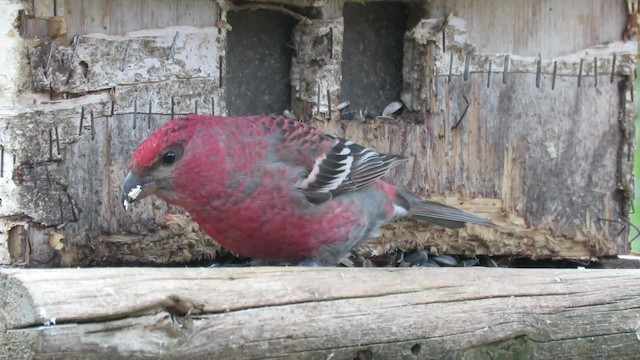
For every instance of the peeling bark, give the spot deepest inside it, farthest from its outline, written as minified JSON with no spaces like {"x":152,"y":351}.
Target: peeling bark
{"x":99,"y":62}
{"x":316,"y":69}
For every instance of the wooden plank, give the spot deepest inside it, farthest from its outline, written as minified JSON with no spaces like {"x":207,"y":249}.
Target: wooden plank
{"x":319,"y":313}
{"x":197,"y":13}
{"x":161,"y":13}
{"x":117,"y":17}
{"x":87,"y":17}
{"x":126,"y":16}
{"x":529,"y":28}
{"x":102,"y":62}
{"x":563,"y":65}
{"x":43,"y":8}
{"x":453,"y":55}
{"x":35,"y":28}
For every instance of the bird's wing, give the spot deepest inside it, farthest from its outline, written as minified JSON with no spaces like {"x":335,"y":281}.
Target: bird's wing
{"x":346,"y":167}
{"x":333,"y":165}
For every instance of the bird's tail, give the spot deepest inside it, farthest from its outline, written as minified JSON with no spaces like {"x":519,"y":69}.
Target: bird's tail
{"x":440,"y":214}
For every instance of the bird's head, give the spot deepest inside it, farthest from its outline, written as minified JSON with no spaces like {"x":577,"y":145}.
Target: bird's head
{"x":165,"y":153}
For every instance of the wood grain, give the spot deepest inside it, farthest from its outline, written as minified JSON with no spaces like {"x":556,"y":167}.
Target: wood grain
{"x":100,"y":62}
{"x":116,"y":17}
{"x":530,"y":28}
{"x":320,"y":313}
{"x":545,"y":158}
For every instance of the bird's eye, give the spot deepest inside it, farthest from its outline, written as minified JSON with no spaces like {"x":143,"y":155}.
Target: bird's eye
{"x":169,"y":157}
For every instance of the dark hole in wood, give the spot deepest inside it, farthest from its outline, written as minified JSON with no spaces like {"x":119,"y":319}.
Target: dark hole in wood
{"x":258,"y":62}
{"x":372,"y":54}
{"x":415,"y":349}
{"x":85,"y":68}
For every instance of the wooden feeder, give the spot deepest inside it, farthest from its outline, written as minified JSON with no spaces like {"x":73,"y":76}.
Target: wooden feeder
{"x":520,"y":111}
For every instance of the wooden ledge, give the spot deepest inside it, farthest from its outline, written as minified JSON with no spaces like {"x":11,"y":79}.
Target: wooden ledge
{"x":319,"y":313}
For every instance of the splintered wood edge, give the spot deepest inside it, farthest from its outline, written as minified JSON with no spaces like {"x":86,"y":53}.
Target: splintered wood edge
{"x":314,"y":313}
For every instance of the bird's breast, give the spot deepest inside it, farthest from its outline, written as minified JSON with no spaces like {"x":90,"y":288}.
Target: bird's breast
{"x":274,"y":222}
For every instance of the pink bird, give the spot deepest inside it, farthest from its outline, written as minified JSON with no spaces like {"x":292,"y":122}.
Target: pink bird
{"x":273,"y":188}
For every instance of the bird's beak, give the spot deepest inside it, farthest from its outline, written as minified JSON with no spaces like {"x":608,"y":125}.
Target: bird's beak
{"x":136,"y":187}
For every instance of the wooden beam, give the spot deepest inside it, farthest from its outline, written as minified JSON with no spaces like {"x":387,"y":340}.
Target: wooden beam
{"x":320,"y":313}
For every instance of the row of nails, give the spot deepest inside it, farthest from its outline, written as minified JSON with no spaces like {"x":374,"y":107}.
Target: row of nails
{"x":505,"y":70}
{"x":76,"y":40}
{"x":135,"y":119}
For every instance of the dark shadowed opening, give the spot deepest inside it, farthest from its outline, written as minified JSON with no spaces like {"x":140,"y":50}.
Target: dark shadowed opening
{"x":258,"y":62}
{"x":372,"y":54}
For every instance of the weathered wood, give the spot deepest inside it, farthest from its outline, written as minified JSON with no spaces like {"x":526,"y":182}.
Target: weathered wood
{"x":62,"y":161}
{"x":316,"y":69}
{"x":500,"y":158}
{"x":530,"y":28}
{"x":321,"y":313}
{"x":456,"y":43}
{"x":505,"y":146}
{"x":118,"y":17}
{"x":99,"y":62}
{"x":12,"y":70}
{"x":64,"y":185}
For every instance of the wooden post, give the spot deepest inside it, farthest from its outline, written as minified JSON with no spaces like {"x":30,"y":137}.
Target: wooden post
{"x":320,"y":313}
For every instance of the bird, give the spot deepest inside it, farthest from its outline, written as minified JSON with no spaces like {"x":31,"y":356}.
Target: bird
{"x":272,"y":188}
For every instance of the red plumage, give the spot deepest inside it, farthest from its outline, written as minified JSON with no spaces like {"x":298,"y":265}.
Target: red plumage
{"x":274,"y":188}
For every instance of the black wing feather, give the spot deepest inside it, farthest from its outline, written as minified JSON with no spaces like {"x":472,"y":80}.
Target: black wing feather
{"x":346,"y":167}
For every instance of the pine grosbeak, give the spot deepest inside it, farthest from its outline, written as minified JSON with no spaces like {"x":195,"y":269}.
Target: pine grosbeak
{"x":274,"y":188}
